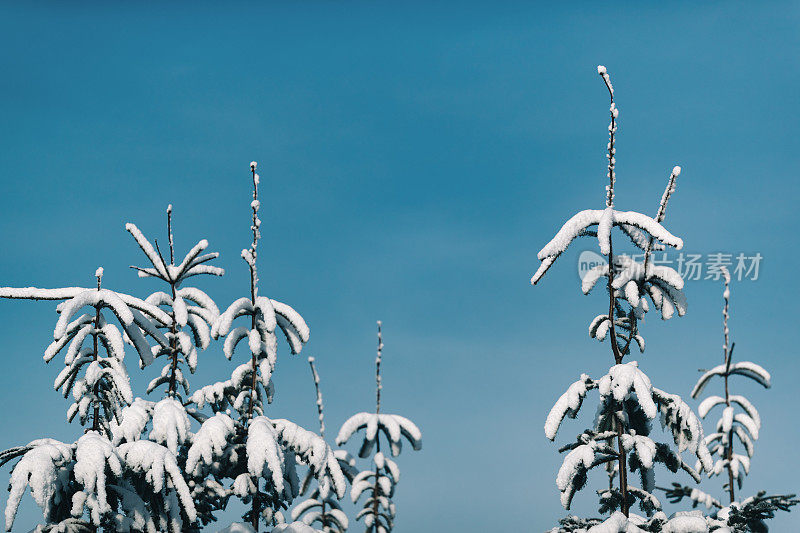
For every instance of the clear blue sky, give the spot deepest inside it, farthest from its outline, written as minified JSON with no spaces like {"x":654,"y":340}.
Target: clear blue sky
{"x":414,"y":160}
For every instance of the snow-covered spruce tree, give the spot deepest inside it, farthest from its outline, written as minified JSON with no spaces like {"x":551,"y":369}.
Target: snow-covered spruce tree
{"x":191,"y":313}
{"x":256,"y":453}
{"x":378,"y":484}
{"x":744,"y":425}
{"x":629,"y":403}
{"x":322,"y":508}
{"x":92,"y":483}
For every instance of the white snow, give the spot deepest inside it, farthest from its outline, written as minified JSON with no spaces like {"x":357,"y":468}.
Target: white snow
{"x":264,"y":453}
{"x":40,"y":469}
{"x":624,"y":379}
{"x":160,"y":468}
{"x":133,"y":420}
{"x":94,"y":454}
{"x":148,"y":250}
{"x":576,"y":461}
{"x":393,"y":427}
{"x":294,"y":527}
{"x":709,"y":403}
{"x":743,"y":368}
{"x":312,"y":450}
{"x":567,"y":404}
{"x":171,"y":427}
{"x":209,"y":442}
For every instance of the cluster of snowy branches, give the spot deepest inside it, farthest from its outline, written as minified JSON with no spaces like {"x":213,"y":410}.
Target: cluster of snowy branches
{"x":739,"y":422}
{"x":377,"y":485}
{"x":621,"y":438}
{"x":173,"y":464}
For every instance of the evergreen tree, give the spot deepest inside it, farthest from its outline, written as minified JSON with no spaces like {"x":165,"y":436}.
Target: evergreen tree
{"x":378,"y":485}
{"x":239,"y":442}
{"x":629,"y":403}
{"x":739,"y":419}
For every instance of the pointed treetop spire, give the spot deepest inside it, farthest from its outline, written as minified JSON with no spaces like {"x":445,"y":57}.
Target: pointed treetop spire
{"x":169,"y":232}
{"x":378,"y":385}
{"x":726,"y":295}
{"x":320,"y":406}
{"x":251,"y":254}
{"x":612,"y":130}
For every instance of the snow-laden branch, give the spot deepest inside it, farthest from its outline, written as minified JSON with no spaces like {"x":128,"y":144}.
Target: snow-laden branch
{"x":742,"y":368}
{"x":392,"y":426}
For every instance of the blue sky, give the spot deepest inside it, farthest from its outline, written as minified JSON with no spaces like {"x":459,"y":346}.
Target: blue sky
{"x":414,"y":159}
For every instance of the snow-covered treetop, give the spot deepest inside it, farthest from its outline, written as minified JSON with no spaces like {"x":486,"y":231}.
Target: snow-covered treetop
{"x":745,"y":423}
{"x":378,"y":484}
{"x":94,"y":348}
{"x":629,"y":403}
{"x":629,"y":282}
{"x":118,"y":477}
{"x":193,"y":263}
{"x":259,"y":454}
{"x":392,"y":426}
{"x":250,"y":384}
{"x":190,"y":312}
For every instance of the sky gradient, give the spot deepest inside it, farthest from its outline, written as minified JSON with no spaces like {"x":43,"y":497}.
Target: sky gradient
{"x":413,"y":161}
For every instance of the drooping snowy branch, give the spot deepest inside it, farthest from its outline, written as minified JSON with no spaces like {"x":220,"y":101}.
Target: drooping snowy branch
{"x":567,"y":405}
{"x":579,"y":225}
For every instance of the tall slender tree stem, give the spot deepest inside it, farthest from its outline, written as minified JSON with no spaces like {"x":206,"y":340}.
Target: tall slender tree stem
{"x":321,"y":413}
{"x":728,"y":354}
{"x":254,"y":519}
{"x":173,"y":327}
{"x":618,"y":354}
{"x":96,"y":413}
{"x":376,"y":487}
{"x":378,"y":385}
